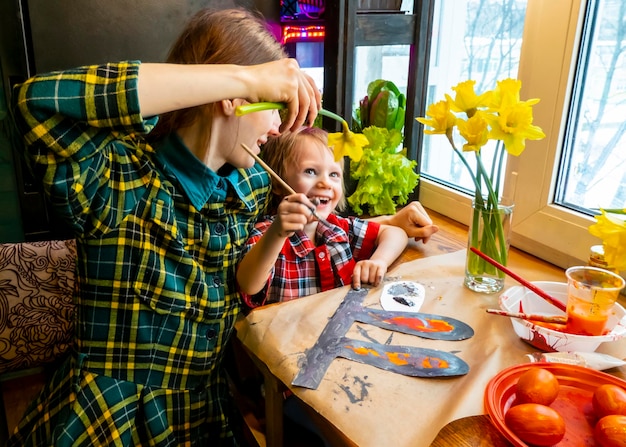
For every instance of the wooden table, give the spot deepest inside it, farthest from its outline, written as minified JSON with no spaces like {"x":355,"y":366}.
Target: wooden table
{"x":465,"y":425}
{"x":470,"y":431}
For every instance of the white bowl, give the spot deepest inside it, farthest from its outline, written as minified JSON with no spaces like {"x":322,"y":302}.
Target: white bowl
{"x":521,"y":299}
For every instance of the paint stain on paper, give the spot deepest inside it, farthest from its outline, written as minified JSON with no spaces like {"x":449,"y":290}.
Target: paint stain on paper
{"x":404,"y":289}
{"x":358,"y":392}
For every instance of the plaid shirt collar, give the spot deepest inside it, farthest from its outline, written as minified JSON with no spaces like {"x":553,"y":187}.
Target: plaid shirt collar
{"x":198,"y":181}
{"x":302,"y":245}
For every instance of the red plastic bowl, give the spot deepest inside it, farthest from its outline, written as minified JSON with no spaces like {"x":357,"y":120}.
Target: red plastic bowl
{"x":576,"y":387}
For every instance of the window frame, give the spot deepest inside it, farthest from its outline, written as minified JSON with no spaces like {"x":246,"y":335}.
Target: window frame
{"x":547,"y":66}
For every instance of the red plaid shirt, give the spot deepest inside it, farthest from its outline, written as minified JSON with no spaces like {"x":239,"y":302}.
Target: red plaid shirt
{"x":304,"y":267}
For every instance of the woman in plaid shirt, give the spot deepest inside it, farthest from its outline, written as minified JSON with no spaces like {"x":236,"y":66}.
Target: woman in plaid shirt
{"x":291,"y":254}
{"x":161,"y":216}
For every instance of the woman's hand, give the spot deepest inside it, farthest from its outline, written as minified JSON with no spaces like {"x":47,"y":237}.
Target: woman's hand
{"x":413,"y":219}
{"x":284,"y":81}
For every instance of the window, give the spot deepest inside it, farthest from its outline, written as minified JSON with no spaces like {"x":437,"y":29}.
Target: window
{"x":479,"y":40}
{"x":390,"y":62}
{"x":572,"y":57}
{"x":593,"y":165}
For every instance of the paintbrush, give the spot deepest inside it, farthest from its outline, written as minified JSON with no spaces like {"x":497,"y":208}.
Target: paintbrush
{"x":283,"y":183}
{"x":543,"y":294}
{"x":560,"y":319}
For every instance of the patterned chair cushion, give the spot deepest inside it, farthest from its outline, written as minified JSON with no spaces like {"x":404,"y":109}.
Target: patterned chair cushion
{"x":36,"y":305}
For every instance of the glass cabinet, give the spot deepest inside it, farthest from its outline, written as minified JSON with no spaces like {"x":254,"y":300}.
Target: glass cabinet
{"x":362,"y":45}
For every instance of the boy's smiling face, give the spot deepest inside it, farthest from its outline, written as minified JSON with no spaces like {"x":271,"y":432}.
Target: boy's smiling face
{"x":316,"y":174}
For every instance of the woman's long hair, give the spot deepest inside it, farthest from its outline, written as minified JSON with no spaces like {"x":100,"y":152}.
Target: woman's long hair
{"x":229,"y":36}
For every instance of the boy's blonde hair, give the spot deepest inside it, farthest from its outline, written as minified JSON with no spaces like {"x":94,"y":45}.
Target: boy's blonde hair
{"x":279,"y":153}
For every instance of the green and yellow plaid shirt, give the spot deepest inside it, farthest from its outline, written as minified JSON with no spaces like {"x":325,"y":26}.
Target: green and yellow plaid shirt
{"x":158,"y":236}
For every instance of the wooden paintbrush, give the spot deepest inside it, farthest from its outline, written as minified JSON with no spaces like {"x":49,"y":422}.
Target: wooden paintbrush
{"x":280,"y":180}
{"x":542,"y":293}
{"x":560,"y":319}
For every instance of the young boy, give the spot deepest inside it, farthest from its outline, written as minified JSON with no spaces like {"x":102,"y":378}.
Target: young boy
{"x":292,"y":254}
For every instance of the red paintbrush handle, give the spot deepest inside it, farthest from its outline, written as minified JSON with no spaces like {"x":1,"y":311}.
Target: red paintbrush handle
{"x":560,"y":319}
{"x":521,"y":280}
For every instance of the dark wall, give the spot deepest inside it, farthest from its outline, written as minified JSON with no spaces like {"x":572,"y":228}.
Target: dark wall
{"x":93,"y":31}
{"x":10,"y":216}
{"x":44,"y":35}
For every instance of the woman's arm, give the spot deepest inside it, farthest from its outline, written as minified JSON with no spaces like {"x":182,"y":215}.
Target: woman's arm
{"x":413,"y":219}
{"x":68,"y":120}
{"x":390,"y":243}
{"x":167,"y":87}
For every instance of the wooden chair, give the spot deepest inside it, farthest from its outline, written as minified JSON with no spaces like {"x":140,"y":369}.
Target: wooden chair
{"x":36,"y":319}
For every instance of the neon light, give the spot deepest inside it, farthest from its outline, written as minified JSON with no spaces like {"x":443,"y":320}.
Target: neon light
{"x":303,"y":33}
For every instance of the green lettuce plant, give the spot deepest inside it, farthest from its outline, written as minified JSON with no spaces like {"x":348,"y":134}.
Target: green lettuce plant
{"x":384,"y":106}
{"x":385,"y":176}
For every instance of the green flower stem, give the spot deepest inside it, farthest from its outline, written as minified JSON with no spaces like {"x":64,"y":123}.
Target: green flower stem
{"x":490,"y":214}
{"x":500,"y":156}
{"x":469,"y":168}
{"x":493,"y":232}
{"x":331,"y":115}
{"x":260,"y":106}
{"x":492,"y":199}
{"x":488,"y":242}
{"x":615,"y":210}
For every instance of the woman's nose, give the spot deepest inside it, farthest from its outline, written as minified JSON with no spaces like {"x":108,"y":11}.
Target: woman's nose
{"x":275,"y":129}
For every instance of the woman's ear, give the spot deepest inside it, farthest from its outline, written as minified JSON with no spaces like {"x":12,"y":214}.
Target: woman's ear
{"x":229,"y":105}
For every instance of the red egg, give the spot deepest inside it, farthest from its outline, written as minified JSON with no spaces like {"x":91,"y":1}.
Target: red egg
{"x":537,"y":386}
{"x":610,"y":431}
{"x":535,"y":424}
{"x":609,"y":399}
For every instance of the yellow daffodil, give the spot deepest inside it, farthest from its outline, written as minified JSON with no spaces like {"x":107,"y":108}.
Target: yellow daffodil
{"x":506,"y":94}
{"x":475,"y":131}
{"x":441,"y":119}
{"x":344,"y":143}
{"x":347,"y":143}
{"x":466,"y":100}
{"x":513,"y":125}
{"x":612,"y":231}
{"x":496,"y":114}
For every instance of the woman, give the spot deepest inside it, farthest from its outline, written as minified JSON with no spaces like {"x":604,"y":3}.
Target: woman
{"x":160,"y":216}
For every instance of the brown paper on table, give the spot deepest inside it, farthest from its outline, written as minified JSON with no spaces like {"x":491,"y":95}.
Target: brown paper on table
{"x":374,"y":407}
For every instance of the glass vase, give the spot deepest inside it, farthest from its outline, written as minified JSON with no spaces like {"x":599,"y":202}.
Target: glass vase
{"x":489,"y":232}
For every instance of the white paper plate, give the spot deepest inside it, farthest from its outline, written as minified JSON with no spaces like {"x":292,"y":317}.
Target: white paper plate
{"x":405,"y":296}
{"x":521,"y":299}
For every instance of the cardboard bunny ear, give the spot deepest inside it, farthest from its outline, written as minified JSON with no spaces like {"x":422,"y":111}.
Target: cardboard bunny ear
{"x":406,"y":360}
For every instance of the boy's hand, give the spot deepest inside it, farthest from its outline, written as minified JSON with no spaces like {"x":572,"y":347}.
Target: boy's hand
{"x":368,"y":272}
{"x":292,"y":215}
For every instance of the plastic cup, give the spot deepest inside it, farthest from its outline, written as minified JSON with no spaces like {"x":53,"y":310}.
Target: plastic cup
{"x":591,"y":295}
